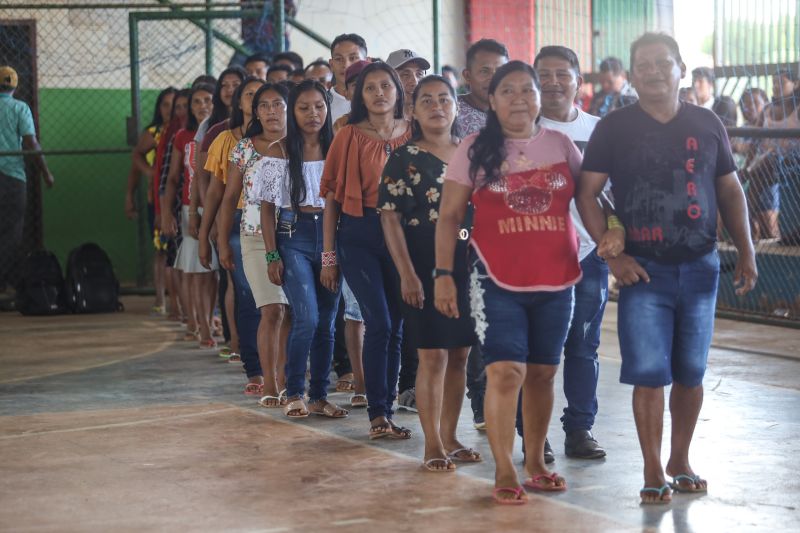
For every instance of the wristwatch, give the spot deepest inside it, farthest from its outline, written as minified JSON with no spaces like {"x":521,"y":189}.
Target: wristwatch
{"x":437,"y":272}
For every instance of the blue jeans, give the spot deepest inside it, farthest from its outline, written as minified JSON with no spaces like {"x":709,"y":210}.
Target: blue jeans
{"x":247,"y":315}
{"x":665,"y":326}
{"x":580,"y":351}
{"x":313,"y":306}
{"x":371,"y":275}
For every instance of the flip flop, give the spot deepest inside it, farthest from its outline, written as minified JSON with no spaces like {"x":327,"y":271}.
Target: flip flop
{"x":234,"y":358}
{"x":253,"y":389}
{"x":428,"y":465}
{"x":695,"y":480}
{"x":658,"y":490}
{"x":266,"y":401}
{"x":345,"y":384}
{"x":533,"y":483}
{"x":328,"y":409}
{"x":358,"y":400}
{"x":296,"y":405}
{"x":380,"y":431}
{"x":518,"y":493}
{"x":474,"y":457}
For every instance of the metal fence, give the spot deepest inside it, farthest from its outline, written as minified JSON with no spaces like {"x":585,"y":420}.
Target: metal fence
{"x":91,"y":73}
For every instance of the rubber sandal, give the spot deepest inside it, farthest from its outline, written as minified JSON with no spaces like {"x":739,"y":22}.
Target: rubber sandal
{"x":208,"y":344}
{"x":225,"y":352}
{"x":660,"y":491}
{"x":518,"y":493}
{"x":189,"y":336}
{"x":533,"y":483}
{"x":358,"y":400}
{"x":328,"y":409}
{"x":399,"y":432}
{"x":270,"y":402}
{"x":695,"y":480}
{"x":253,"y":389}
{"x":380,"y":431}
{"x":474,"y":457}
{"x":345,"y":384}
{"x":235,"y":358}
{"x":428,"y":465}
{"x":296,"y":405}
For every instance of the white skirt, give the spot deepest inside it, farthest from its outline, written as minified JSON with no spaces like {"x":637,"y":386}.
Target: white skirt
{"x":188,"y":258}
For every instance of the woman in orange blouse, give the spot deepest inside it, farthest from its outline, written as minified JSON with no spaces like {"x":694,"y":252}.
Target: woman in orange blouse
{"x":350,"y":186}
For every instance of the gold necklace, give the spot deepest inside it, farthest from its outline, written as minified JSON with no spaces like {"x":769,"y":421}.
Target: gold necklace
{"x":386,"y":146}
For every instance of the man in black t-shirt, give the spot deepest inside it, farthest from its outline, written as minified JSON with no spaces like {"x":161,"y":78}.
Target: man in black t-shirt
{"x":671,"y":168}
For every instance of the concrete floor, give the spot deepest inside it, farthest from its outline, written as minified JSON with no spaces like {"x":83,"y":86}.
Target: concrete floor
{"x":108,"y":422}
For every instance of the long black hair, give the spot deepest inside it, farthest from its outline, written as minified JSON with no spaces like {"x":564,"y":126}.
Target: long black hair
{"x":191,"y":120}
{"x":220,"y":111}
{"x":358,"y":110}
{"x":295,"y":143}
{"x":255,"y":127}
{"x":182,"y":93}
{"x":416,"y":130}
{"x":488,"y":151}
{"x":158,"y":120}
{"x":237,"y":115}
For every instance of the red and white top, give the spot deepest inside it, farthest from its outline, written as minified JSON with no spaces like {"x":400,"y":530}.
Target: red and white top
{"x":184,"y":142}
{"x":523,"y":232}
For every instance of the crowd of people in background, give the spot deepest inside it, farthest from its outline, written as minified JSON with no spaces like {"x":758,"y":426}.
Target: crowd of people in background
{"x":428,"y":240}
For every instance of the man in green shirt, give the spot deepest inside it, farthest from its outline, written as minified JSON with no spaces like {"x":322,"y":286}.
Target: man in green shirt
{"x":17,"y":132}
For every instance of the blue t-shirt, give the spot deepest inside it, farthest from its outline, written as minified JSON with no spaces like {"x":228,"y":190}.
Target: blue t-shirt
{"x":16,"y":121}
{"x":663,"y":178}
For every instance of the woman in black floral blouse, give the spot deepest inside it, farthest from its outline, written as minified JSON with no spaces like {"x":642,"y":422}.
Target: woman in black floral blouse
{"x":408,"y":197}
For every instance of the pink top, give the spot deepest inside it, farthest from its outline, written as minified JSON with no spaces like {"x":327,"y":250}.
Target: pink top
{"x":522,"y":230}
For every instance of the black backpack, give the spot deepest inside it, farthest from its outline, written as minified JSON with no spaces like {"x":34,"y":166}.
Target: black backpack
{"x":40,"y":291}
{"x":91,"y":286}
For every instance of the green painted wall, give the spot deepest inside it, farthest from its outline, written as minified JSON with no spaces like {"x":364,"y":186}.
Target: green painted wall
{"x":86,"y":204}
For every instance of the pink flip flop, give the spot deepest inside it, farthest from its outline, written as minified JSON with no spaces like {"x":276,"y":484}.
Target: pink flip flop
{"x":533,"y":483}
{"x":518,"y":493}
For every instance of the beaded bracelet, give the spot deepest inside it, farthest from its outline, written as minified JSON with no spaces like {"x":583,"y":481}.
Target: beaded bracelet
{"x":615,"y":223}
{"x":272,"y":257}
{"x":329,"y":259}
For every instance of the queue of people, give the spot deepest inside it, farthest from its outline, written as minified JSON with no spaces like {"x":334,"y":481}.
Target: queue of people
{"x":457,"y":243}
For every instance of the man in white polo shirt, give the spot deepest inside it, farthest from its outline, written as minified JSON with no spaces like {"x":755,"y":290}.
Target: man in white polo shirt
{"x":346,"y":49}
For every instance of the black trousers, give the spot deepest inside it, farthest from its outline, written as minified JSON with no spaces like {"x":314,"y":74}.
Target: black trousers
{"x":13,"y":196}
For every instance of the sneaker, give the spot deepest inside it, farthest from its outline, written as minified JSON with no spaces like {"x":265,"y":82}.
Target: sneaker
{"x":478,"y":421}
{"x":408,"y":400}
{"x":581,"y":444}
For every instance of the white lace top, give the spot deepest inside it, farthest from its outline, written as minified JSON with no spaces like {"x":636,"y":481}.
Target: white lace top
{"x":272,"y":183}
{"x":250,"y":163}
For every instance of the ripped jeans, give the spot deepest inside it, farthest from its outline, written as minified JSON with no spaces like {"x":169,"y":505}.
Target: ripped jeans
{"x":581,"y":368}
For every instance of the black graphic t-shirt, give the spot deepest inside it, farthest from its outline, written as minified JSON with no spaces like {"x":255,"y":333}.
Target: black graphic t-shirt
{"x":663,"y":178}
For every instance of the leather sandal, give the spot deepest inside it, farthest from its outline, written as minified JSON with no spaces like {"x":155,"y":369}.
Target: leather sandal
{"x":325,"y":408}
{"x":296,"y":404}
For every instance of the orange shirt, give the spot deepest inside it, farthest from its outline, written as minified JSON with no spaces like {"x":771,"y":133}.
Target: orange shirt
{"x":353,"y":168}
{"x":217,"y":161}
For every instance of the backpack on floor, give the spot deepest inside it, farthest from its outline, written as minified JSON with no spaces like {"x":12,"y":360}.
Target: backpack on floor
{"x":91,"y":286}
{"x":40,"y":290}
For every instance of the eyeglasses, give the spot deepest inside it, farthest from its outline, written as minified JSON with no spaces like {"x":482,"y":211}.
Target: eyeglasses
{"x":271,"y":106}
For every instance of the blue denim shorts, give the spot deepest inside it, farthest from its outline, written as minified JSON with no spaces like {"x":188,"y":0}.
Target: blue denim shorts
{"x":665,"y":326}
{"x":523,"y":327}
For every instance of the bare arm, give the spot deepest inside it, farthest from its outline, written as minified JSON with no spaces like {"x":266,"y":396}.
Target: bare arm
{"x":202,"y":177}
{"x":29,"y":142}
{"x":329,"y":276}
{"x":733,"y":209}
{"x":168,"y":223}
{"x":453,"y":208}
{"x":233,"y":189}
{"x":130,"y":191}
{"x":410,"y":284}
{"x":216,"y":190}
{"x":145,"y":143}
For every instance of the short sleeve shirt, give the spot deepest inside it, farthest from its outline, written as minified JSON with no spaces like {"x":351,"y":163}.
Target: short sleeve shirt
{"x":470,"y":119}
{"x":16,"y":122}
{"x":412,"y":185}
{"x":663,"y":177}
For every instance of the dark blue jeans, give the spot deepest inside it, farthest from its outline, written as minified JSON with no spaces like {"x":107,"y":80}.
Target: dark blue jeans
{"x":580,"y":351}
{"x":371,"y":275}
{"x":313,"y":306}
{"x":247,"y":315}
